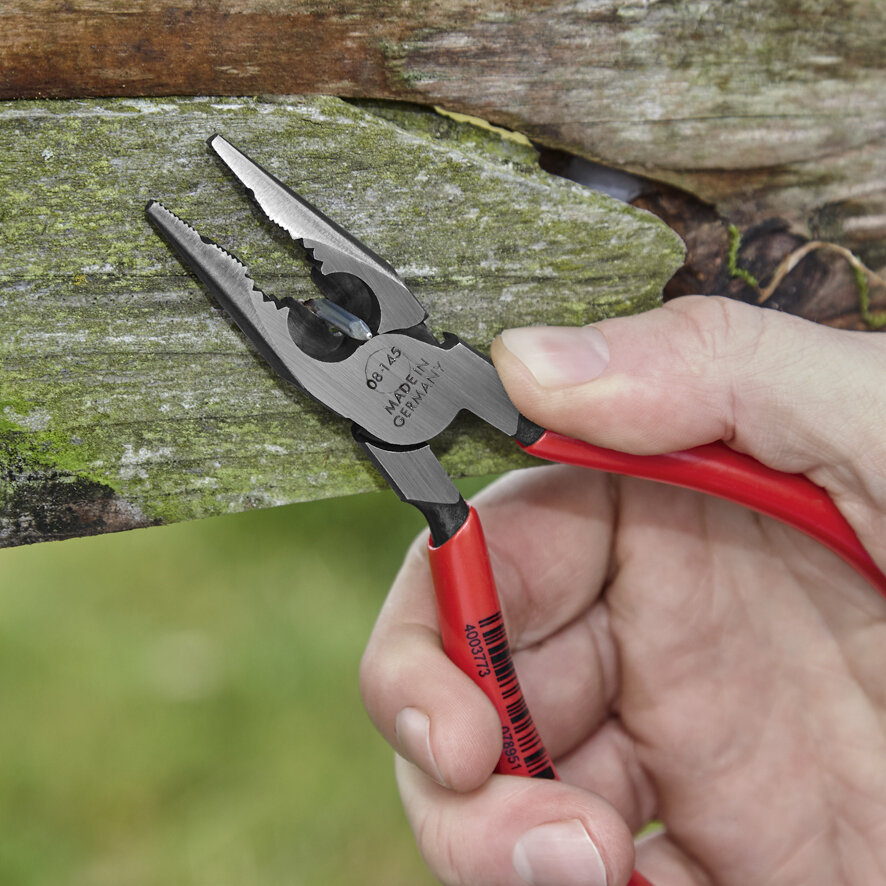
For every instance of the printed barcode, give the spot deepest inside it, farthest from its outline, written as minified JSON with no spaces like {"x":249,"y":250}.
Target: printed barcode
{"x":496,"y":642}
{"x":528,"y":741}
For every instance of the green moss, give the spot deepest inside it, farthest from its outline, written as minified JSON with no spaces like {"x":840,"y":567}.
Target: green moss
{"x":732,"y":259}
{"x":24,"y":449}
{"x":872,"y":319}
{"x":488,"y":141}
{"x":50,"y":449}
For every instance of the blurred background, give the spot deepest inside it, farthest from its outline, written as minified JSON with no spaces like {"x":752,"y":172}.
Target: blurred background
{"x":180,"y":704}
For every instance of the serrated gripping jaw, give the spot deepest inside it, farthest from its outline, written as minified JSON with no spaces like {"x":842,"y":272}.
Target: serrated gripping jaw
{"x":228,"y":280}
{"x":333,"y":249}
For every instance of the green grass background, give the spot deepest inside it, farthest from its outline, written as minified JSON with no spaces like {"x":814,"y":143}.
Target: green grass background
{"x":179,"y":705}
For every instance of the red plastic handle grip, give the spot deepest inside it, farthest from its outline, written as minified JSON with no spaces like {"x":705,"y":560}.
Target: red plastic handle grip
{"x":718,"y":470}
{"x":474,"y":637}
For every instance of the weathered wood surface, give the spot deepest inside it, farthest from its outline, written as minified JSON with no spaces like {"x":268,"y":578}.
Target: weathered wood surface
{"x":127,"y":398}
{"x":761,"y":109}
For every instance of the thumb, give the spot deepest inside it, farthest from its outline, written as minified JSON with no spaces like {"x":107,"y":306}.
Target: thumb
{"x":797,"y":396}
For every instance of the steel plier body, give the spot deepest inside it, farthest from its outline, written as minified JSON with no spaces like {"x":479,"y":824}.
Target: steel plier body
{"x":365,"y":352}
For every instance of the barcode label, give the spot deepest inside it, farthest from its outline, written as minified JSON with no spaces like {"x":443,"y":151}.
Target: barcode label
{"x":499,"y":654}
{"x":519,"y":731}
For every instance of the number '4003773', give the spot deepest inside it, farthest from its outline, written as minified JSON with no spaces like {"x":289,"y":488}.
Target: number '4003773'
{"x":478,"y":651}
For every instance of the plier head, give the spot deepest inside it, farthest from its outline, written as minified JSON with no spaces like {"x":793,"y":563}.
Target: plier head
{"x":377,"y":364}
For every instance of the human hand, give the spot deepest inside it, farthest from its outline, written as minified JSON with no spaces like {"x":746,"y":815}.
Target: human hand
{"x":684,"y":659}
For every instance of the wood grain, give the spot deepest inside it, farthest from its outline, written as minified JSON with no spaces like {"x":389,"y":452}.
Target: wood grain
{"x":760,"y":109}
{"x":127,"y":398}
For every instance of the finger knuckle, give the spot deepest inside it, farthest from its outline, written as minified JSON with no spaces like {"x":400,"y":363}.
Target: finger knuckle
{"x":728,"y":337}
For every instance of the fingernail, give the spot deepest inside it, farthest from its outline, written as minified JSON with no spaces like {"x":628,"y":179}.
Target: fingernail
{"x":560,"y":853}
{"x":559,"y":356}
{"x":413,"y":729}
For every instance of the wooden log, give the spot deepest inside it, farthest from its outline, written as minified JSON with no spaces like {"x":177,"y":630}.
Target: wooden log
{"x":760,"y":109}
{"x":127,"y":398}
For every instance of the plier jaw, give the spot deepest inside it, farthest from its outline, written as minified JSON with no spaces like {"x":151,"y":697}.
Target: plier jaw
{"x":333,"y":249}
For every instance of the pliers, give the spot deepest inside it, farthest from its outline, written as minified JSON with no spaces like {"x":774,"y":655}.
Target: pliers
{"x":364,"y":351}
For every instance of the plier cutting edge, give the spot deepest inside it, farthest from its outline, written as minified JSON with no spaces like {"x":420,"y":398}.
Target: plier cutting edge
{"x":364,"y":351}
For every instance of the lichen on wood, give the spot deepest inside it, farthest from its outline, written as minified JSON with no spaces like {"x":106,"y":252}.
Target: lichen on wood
{"x":127,"y":398}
